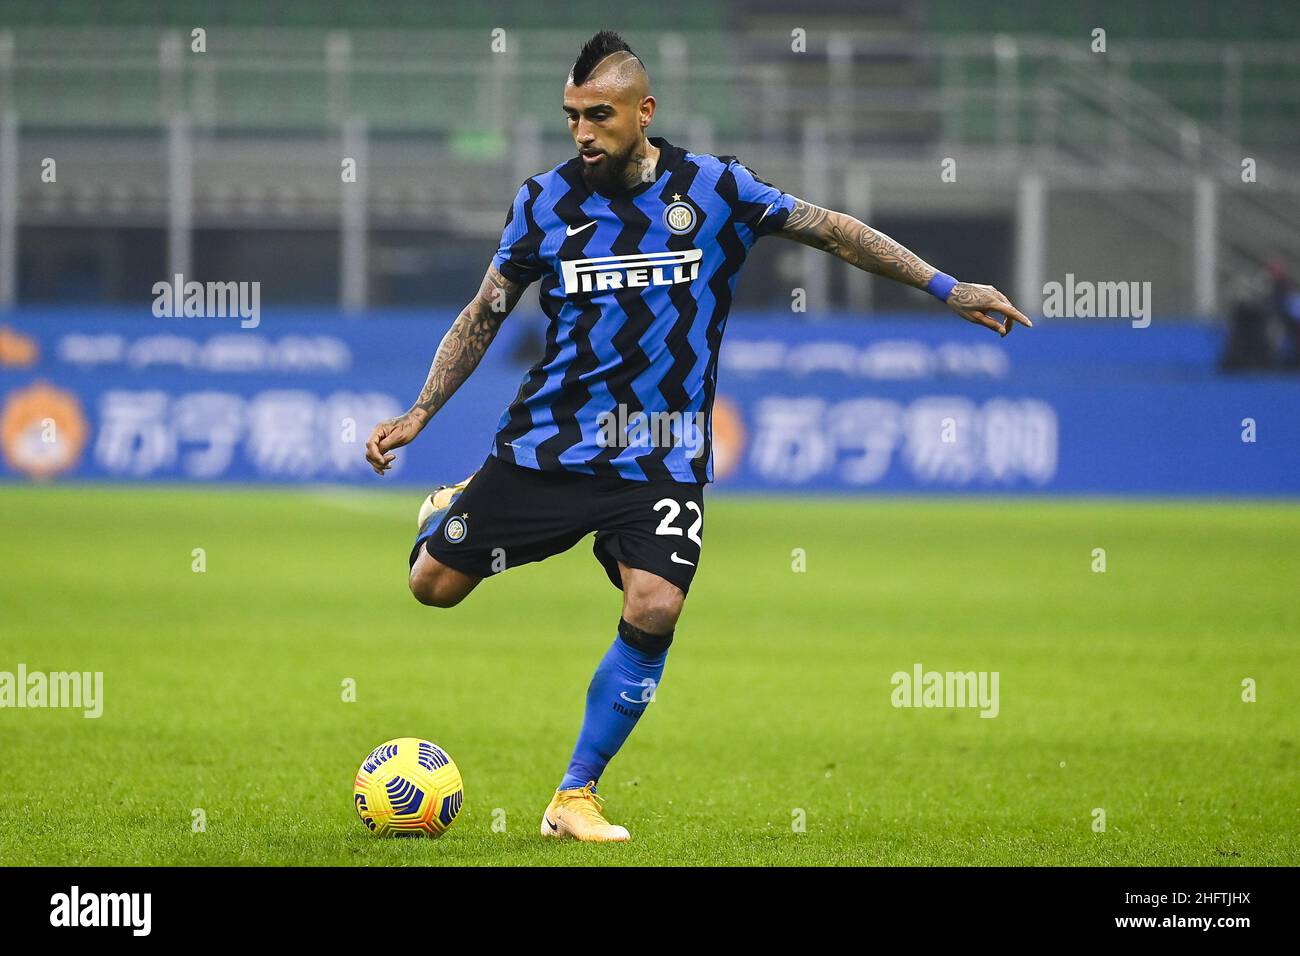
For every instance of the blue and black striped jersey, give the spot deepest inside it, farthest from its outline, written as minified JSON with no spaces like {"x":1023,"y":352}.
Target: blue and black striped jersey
{"x":637,"y":289}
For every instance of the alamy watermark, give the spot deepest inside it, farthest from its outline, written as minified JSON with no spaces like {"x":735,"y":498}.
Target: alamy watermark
{"x":55,"y":689}
{"x":208,"y":300}
{"x":1082,"y":299}
{"x":922,"y":688}
{"x":130,"y":910}
{"x":637,"y":429}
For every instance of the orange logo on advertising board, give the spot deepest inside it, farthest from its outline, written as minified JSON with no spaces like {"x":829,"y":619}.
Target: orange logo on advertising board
{"x":17,"y":350}
{"x":42,"y":430}
{"x":728,"y":437}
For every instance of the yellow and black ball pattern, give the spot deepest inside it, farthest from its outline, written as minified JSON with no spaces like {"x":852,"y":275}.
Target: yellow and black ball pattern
{"x":408,"y":787}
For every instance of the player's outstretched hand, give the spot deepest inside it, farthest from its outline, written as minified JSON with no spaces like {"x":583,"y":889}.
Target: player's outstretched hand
{"x":388,"y":435}
{"x":974,"y":303}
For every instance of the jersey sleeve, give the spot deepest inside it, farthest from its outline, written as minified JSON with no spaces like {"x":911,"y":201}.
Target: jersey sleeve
{"x":517,"y":256}
{"x":759,"y":205}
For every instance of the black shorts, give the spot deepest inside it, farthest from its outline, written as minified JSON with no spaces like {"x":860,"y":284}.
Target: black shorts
{"x":510,"y":515}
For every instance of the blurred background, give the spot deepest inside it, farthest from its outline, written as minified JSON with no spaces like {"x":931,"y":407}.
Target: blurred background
{"x":1016,"y":143}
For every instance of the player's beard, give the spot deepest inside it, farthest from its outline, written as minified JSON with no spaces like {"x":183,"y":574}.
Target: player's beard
{"x":611,"y":176}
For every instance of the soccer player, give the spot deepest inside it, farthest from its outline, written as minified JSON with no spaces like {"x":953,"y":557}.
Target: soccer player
{"x":637,"y":244}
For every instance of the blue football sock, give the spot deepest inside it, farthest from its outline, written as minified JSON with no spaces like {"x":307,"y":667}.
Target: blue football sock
{"x":618,"y":695}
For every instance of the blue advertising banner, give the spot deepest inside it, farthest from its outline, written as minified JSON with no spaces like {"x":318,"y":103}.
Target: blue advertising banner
{"x":894,"y":405}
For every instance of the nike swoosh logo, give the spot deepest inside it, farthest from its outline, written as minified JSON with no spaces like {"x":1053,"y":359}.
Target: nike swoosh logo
{"x":678,"y":560}
{"x":550,"y":824}
{"x":570,"y":231}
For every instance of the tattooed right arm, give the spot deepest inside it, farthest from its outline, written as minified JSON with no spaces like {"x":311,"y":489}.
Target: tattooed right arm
{"x":465,"y":342}
{"x":458,"y":355}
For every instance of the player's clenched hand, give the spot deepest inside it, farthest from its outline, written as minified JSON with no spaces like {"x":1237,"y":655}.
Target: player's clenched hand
{"x":974,"y":303}
{"x":388,"y":435}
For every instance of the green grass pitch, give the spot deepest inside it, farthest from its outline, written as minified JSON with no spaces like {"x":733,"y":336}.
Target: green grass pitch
{"x":1119,"y":690}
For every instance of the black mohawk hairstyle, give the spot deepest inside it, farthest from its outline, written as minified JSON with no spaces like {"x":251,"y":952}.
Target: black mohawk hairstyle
{"x":596,"y":49}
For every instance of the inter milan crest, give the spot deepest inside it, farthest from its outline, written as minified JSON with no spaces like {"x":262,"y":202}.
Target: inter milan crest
{"x":679,"y":217}
{"x":456,"y":528}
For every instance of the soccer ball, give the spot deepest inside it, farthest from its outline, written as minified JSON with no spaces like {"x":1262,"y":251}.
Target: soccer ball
{"x":408,"y":787}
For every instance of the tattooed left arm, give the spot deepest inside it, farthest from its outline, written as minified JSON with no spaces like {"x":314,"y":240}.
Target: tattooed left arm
{"x":859,"y":245}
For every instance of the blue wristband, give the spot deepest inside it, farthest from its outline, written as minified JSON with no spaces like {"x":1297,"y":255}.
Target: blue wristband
{"x":941,"y":286}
